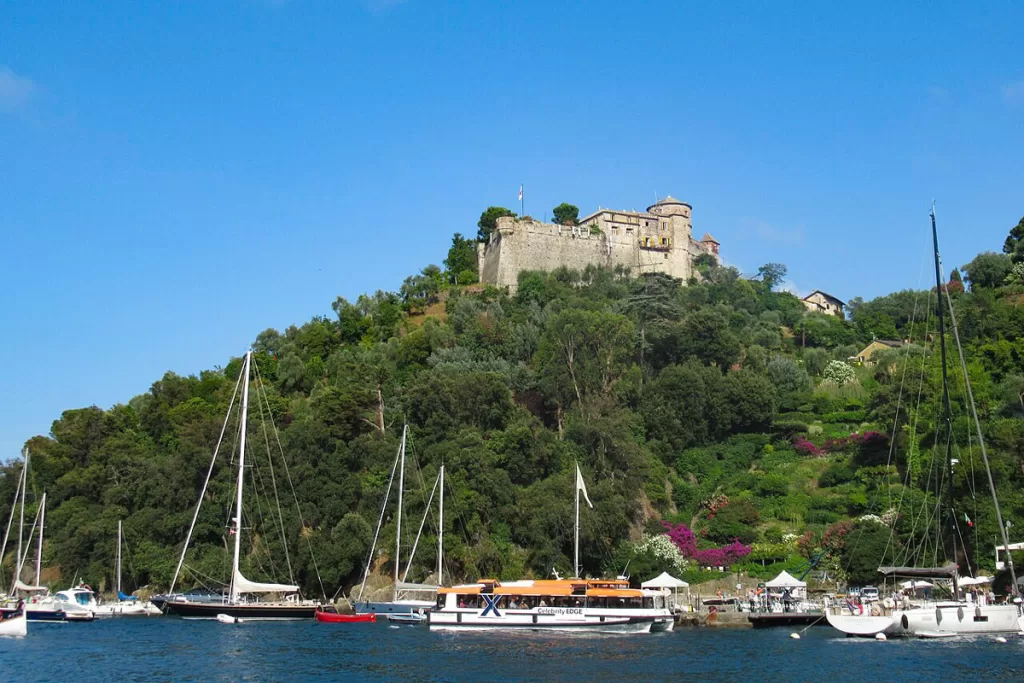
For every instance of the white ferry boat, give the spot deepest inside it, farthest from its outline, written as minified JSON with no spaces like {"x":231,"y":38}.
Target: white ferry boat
{"x":573,"y":605}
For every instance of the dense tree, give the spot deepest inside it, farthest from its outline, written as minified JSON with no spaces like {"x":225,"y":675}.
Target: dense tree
{"x":489,"y":221}
{"x":772,"y":275}
{"x":1014,"y":244}
{"x":565,"y":214}
{"x":461,"y":263}
{"x":988,"y":270}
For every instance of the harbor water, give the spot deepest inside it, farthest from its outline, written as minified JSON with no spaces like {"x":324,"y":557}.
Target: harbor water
{"x":170,"y":649}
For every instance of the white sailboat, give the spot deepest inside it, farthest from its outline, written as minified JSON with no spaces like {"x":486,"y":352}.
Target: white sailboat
{"x":125,"y":605}
{"x":405,"y":597}
{"x":236,"y":604}
{"x":955,"y":616}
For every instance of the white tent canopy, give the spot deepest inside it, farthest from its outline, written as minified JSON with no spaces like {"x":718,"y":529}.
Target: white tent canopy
{"x":666,"y":580}
{"x":974,"y":581}
{"x":786,"y":580}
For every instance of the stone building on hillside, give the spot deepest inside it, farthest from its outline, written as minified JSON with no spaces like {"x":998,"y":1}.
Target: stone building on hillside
{"x":823,"y":302}
{"x":659,"y":240}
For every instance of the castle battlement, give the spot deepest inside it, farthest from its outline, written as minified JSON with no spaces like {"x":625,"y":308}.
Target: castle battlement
{"x":659,"y":240}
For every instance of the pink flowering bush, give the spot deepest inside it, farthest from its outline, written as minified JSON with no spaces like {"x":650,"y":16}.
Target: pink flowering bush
{"x":805,"y":447}
{"x":683,"y":538}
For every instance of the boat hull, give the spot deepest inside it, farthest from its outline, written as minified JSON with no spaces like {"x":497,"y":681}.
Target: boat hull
{"x":400,"y":607}
{"x":14,"y":622}
{"x":472,"y":621}
{"x":45,"y":615}
{"x":863,"y":626}
{"x":333,"y":618}
{"x":961,"y":619}
{"x":132,"y":609}
{"x":14,"y":626}
{"x":256,"y":611}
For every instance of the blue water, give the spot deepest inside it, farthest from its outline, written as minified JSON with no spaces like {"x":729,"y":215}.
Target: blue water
{"x":169,"y":649}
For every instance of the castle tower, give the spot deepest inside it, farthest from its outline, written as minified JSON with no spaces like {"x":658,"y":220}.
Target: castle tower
{"x":674,"y":218}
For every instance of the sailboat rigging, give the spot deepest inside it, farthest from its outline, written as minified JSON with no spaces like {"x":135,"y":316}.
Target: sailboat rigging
{"x":955,"y":616}
{"x":400,"y":602}
{"x":235,"y":604}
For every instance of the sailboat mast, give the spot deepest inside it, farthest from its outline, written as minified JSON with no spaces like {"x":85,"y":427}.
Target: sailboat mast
{"x":39,"y":550}
{"x":398,"y":531}
{"x":946,"y":408}
{"x":10,"y":521}
{"x":241,"y":480}
{"x":21,"y":522}
{"x":118,"y":559}
{"x":984,"y":451}
{"x":440,"y":531}
{"x":576,"y":544}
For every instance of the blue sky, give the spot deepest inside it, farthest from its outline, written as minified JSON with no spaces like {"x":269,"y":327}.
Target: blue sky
{"x":176,"y":177}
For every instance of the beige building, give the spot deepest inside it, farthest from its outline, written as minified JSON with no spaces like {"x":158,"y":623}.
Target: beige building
{"x":865,"y":356}
{"x":822,"y":302}
{"x":659,"y":240}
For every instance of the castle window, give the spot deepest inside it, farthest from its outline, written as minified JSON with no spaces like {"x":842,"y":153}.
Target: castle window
{"x":664,"y":241}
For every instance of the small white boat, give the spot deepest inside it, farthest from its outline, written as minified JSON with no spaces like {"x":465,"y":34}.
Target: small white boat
{"x":412,"y":618}
{"x":14,"y":622}
{"x":228,"y":619}
{"x":125,"y":605}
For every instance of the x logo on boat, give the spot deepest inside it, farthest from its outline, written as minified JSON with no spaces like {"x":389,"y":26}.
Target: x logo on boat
{"x":492,"y":605}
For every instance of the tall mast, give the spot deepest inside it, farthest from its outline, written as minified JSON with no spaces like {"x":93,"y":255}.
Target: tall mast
{"x":398,"y":532}
{"x":440,"y":532}
{"x":39,"y":550}
{"x":241,"y":480}
{"x":576,"y":544}
{"x":118,"y":559}
{"x":984,"y":451}
{"x":10,"y":521}
{"x":946,"y":408}
{"x":21,"y":521}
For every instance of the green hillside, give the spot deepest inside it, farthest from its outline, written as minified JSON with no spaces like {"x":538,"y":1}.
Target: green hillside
{"x":719,"y":405}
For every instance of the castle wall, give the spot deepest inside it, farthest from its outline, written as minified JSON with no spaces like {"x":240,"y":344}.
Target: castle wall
{"x":640,"y":242}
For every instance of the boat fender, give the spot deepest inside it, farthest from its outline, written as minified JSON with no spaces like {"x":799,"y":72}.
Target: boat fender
{"x":1000,"y":639}
{"x":960,"y":613}
{"x":905,"y":622}
{"x":880,"y":637}
{"x":977,"y":611}
{"x":794,"y":636}
{"x":938,"y":615}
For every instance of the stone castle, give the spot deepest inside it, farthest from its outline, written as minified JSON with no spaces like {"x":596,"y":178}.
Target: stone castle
{"x":659,"y":240}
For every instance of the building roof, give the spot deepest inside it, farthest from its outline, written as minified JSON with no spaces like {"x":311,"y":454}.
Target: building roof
{"x":708,"y":238}
{"x":826,"y":295}
{"x":668,"y":201}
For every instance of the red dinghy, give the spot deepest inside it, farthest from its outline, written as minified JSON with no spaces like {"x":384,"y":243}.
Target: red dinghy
{"x":333,"y":617}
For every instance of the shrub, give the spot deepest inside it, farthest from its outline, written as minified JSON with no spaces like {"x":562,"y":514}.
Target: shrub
{"x":839,"y":373}
{"x":835,"y":474}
